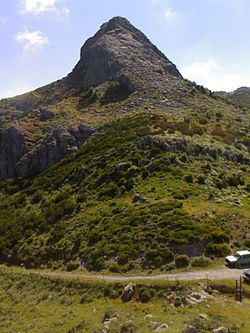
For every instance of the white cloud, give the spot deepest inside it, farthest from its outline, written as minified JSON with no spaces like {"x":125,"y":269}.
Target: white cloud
{"x":32,"y":40}
{"x":169,"y":13}
{"x":37,"y":7}
{"x":212,"y":76}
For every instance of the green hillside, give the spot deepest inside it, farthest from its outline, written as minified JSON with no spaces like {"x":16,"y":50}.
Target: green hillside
{"x":240,"y":96}
{"x":142,"y":189}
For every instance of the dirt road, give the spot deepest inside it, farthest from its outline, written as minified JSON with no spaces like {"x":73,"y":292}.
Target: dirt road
{"x":222,"y":273}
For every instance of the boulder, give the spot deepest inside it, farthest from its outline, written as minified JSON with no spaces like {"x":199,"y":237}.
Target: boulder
{"x":138,"y":198}
{"x":153,"y":325}
{"x":148,"y":316}
{"x":203,"y":316}
{"x":221,"y":329}
{"x":128,"y":292}
{"x":162,"y":328}
{"x":46,"y":114}
{"x":189,"y":329}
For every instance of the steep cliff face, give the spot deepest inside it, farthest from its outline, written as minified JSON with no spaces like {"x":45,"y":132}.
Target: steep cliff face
{"x":12,"y":147}
{"x":19,"y":156}
{"x":52,"y":149}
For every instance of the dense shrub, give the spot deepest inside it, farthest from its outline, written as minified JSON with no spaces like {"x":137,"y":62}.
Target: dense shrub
{"x":116,"y":91}
{"x":201,"y":180}
{"x":144,"y":294}
{"x":72,"y":265}
{"x":218,"y":250}
{"x":87,"y":98}
{"x":182,"y":261}
{"x":189,"y":178}
{"x":37,"y":196}
{"x":170,"y":267}
{"x":200,"y":262}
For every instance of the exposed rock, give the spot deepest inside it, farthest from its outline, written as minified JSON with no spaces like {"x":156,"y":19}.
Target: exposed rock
{"x":46,"y":114}
{"x":203,"y":316}
{"x":162,"y":328}
{"x":107,"y":322}
{"x":123,"y":166}
{"x":13,"y":145}
{"x":183,"y":145}
{"x":221,"y":329}
{"x":171,"y":296}
{"x":153,"y":324}
{"x":148,"y":316}
{"x":189,"y":329}
{"x":110,"y":55}
{"x":138,"y":198}
{"x":128,"y":292}
{"x":18,"y":158}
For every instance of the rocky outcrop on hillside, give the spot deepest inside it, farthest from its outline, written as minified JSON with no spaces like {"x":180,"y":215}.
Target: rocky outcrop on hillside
{"x":183,"y":145}
{"x":21,"y":157}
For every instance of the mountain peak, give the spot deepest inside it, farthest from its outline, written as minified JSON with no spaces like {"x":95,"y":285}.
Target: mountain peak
{"x":119,"y":49}
{"x":116,"y":22}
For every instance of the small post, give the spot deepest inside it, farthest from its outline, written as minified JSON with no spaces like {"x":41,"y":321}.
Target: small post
{"x":240,"y":289}
{"x":236,"y":289}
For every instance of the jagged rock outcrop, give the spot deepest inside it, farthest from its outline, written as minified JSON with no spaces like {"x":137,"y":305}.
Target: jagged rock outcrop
{"x":183,"y":145}
{"x":116,"y":51}
{"x":13,"y":146}
{"x":18,"y":159}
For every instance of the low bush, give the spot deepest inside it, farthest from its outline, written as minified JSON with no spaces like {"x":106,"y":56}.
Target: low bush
{"x":71,"y":265}
{"x":170,"y":267}
{"x":218,"y":250}
{"x":201,"y":262}
{"x":144,"y":295}
{"x":182,"y":261}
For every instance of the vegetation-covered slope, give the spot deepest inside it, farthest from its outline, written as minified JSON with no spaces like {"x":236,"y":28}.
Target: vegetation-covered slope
{"x":240,"y":96}
{"x":140,"y":190}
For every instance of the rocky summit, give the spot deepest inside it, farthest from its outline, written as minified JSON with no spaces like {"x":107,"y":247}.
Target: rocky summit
{"x":117,"y":52}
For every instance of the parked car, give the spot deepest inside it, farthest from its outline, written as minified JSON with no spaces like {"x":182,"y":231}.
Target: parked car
{"x":246,"y":275}
{"x":239,"y":259}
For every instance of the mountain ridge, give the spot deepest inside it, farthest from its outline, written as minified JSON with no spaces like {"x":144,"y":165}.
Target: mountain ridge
{"x":240,"y":96}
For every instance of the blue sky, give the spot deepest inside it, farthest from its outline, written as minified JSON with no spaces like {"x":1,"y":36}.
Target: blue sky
{"x":208,"y":40}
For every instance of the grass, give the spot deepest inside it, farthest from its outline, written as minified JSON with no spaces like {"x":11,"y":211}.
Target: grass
{"x":32,"y":303}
